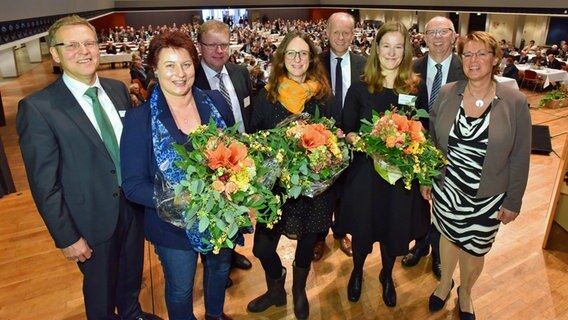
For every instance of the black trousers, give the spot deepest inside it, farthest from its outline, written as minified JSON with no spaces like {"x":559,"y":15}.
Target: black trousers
{"x":112,"y":278}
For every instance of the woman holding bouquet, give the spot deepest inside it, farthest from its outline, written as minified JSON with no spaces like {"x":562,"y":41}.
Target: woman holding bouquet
{"x":484,"y":130}
{"x":377,"y":210}
{"x":297,"y":84}
{"x":175,"y":108}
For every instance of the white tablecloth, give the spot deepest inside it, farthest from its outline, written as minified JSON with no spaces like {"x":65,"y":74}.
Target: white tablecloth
{"x":507,"y":81}
{"x":548,"y":75}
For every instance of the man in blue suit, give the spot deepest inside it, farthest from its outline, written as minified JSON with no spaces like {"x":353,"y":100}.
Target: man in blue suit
{"x":69,"y":135}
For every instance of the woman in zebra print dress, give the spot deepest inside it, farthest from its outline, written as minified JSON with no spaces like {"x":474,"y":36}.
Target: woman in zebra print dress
{"x":483,"y":128}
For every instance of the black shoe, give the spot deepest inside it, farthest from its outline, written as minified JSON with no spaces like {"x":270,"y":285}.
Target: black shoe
{"x":389,"y":292}
{"x":147,"y":316}
{"x":414,"y":256}
{"x":435,"y":303}
{"x":241,"y":262}
{"x":229,"y":283}
{"x":354,"y":286}
{"x":464,"y":315}
{"x":436,"y":265}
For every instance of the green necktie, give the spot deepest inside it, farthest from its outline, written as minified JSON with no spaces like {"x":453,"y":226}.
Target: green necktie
{"x":107,"y":132}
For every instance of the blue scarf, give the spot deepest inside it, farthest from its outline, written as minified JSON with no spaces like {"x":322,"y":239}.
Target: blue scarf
{"x":166,"y":156}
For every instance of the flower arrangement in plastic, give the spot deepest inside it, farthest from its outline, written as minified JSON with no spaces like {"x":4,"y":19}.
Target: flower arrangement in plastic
{"x":399,"y":147}
{"x":223,"y":185}
{"x":315,"y":154}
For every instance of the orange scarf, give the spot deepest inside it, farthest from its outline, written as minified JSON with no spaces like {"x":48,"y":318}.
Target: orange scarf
{"x":293,"y":95}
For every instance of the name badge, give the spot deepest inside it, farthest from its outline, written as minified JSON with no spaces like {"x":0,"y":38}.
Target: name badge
{"x":122,"y":113}
{"x":247,"y":101}
{"x":407,"y":100}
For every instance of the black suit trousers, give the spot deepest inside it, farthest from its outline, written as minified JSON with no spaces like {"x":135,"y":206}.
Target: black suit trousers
{"x":112,"y":278}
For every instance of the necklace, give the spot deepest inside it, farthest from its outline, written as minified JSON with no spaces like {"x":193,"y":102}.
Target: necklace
{"x":479,"y":102}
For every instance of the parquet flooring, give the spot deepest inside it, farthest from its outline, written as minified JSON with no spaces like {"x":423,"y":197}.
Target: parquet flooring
{"x":520,"y":279}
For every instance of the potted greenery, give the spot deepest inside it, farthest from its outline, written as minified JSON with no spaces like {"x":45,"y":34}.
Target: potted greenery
{"x":554,"y":99}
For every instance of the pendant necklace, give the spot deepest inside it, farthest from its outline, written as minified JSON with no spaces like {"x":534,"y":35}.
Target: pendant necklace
{"x":479,"y":102}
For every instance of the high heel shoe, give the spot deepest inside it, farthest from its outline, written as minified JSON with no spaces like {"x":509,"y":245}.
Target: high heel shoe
{"x":389,"y":292}
{"x":464,"y":315}
{"x":354,"y":286}
{"x":435,"y":303}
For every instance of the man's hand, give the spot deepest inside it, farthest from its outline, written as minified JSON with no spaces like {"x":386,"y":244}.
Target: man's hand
{"x":78,"y":252}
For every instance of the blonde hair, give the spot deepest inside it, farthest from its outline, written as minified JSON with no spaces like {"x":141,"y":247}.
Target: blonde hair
{"x":406,"y":80}
{"x":72,"y":20}
{"x":214,"y":26}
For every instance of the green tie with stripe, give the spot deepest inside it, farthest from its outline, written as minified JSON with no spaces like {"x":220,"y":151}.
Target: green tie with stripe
{"x":107,"y":132}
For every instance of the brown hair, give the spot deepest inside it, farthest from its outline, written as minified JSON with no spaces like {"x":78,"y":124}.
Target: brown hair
{"x":316,"y":70}
{"x":406,"y":80}
{"x":72,"y":20}
{"x":174,"y":40}
{"x":487,"y":39}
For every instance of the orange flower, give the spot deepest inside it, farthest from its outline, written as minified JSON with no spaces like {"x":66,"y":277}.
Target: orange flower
{"x":416,"y":131}
{"x":218,"y":157}
{"x":218,"y":186}
{"x":400,"y":121}
{"x":390,"y":141}
{"x":231,"y":187}
{"x":312,"y":138}
{"x":238,"y":153}
{"x":223,"y":157}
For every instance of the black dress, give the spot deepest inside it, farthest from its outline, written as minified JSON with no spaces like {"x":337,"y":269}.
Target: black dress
{"x":302,"y":215}
{"x":372,"y":209}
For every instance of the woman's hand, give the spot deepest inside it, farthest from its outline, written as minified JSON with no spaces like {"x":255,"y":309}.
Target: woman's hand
{"x":506,"y":215}
{"x":426,"y":192}
{"x":352,"y":138}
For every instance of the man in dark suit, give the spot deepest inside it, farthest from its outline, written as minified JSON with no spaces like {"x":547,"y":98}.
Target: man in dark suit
{"x":232,"y":80}
{"x":69,"y":135}
{"x":340,"y":27}
{"x":552,"y":62}
{"x":440,"y":38}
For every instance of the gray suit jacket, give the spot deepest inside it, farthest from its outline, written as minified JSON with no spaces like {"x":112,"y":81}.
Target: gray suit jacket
{"x":420,"y":66}
{"x":506,"y":164}
{"x":240,"y":78}
{"x":71,"y":174}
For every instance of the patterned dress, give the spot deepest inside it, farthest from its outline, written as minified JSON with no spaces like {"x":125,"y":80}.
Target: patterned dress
{"x":468,"y":222}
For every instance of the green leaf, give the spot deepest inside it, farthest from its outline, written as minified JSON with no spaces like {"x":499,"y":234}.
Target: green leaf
{"x":233,"y":230}
{"x":295,"y":179}
{"x":203,"y":224}
{"x":295,"y":191}
{"x":221,"y":224}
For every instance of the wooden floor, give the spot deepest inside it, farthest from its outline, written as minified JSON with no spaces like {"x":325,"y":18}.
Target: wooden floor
{"x":520,"y":280}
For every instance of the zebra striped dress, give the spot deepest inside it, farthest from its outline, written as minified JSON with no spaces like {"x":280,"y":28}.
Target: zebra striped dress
{"x":468,"y":222}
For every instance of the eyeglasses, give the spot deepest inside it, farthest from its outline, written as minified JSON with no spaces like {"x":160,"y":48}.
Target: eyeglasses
{"x":480,"y":54}
{"x":441,"y":32}
{"x":213,"y":46}
{"x":291,"y":54}
{"x":76,"y":45}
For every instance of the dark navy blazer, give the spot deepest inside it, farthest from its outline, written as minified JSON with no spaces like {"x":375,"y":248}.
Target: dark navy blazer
{"x":139,"y":164}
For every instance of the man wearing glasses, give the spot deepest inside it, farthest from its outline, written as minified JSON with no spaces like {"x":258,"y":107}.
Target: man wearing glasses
{"x":69,"y":134}
{"x":438,"y":67}
{"x":214,"y":73}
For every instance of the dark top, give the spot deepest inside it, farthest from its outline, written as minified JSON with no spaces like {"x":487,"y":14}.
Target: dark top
{"x":139,"y":166}
{"x":511,"y":71}
{"x":302,"y":215}
{"x":372,"y":209}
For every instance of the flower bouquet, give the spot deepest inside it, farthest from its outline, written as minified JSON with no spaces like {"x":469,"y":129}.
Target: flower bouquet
{"x":222,"y":186}
{"x":315,"y":154}
{"x":400,"y":148}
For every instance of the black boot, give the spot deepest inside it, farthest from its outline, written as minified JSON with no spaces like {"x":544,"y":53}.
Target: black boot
{"x":389,"y":292}
{"x":301,"y":305}
{"x":354,"y":286}
{"x":274,"y":296}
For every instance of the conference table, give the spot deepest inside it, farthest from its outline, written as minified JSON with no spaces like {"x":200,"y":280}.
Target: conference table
{"x":548,"y":75}
{"x":507,"y":81}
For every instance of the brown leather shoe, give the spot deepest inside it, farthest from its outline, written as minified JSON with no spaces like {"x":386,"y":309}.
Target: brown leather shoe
{"x":318,"y":251}
{"x":345,"y":246}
